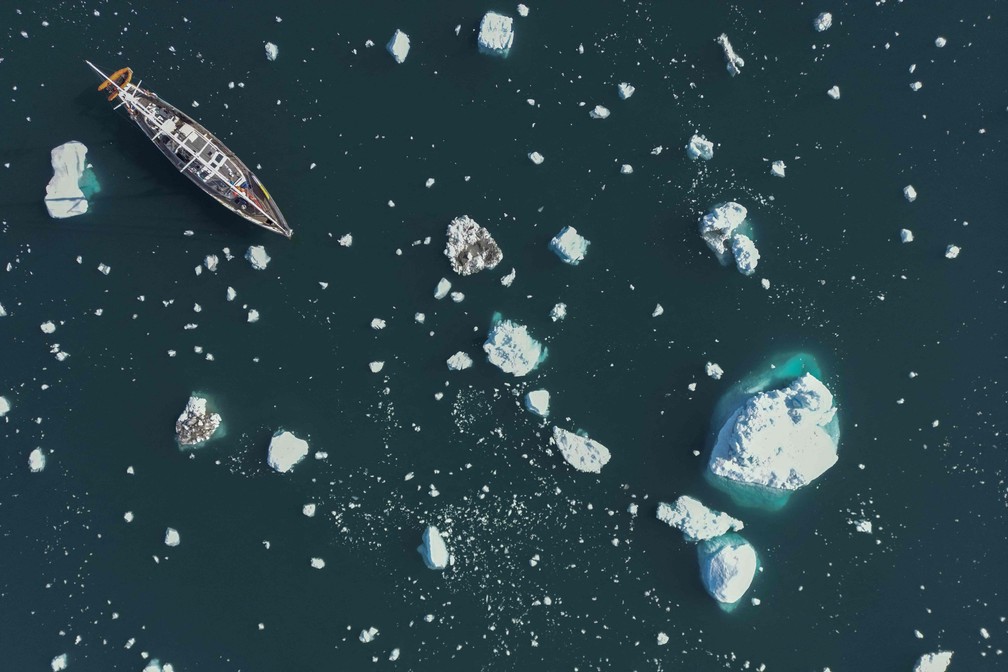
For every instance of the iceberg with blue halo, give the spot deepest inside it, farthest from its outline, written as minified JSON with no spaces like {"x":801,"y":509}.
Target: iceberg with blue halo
{"x":728,"y":565}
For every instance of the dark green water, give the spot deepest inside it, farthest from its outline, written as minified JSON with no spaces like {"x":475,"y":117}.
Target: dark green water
{"x":829,"y":238}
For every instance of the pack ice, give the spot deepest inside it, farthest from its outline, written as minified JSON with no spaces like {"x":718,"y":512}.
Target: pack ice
{"x":696,"y":521}
{"x":582,"y":453}
{"x":64,"y":197}
{"x":511,"y":349}
{"x":286,"y":450}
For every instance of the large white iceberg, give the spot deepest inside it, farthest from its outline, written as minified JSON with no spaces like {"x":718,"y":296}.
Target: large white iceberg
{"x":934,"y":662}
{"x":728,"y":565}
{"x":496,"y":34}
{"x":696,"y":521}
{"x":570,"y":246}
{"x":778,"y":439}
{"x":734,"y":61}
{"x":433,"y":550}
{"x":700,"y":147}
{"x":746,"y":254}
{"x":511,"y":349}
{"x":197,"y":423}
{"x":399,"y":46}
{"x":718,"y":225}
{"x":286,"y":450}
{"x":64,"y":197}
{"x":470,"y":247}
{"x":582,"y":453}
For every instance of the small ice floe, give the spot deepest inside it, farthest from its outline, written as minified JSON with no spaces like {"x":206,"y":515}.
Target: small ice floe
{"x":734,"y":61}
{"x":368,"y":635}
{"x":558,"y":312}
{"x":104,"y":269}
{"x":626,"y":169}
{"x":662,"y":639}
{"x":906,"y":235}
{"x":833,"y":92}
{"x":457,"y":297}
{"x":47,"y":327}
{"x":399,"y":46}
{"x":580,"y":452}
{"x":346,"y":240}
{"x":700,"y":147}
{"x":171,"y":537}
{"x":459,"y":361}
{"x":470,"y":247}
{"x":4,"y":406}
{"x":862,"y":526}
{"x":625,"y":90}
{"x":658,"y":310}
{"x":952,"y":251}
{"x":536,"y":158}
{"x":196,"y":424}
{"x":509,"y":278}
{"x":36,"y":461}
{"x":823,"y":22}
{"x":779,"y":438}
{"x":285,"y":450}
{"x":394,"y":654}
{"x":599,"y":112}
{"x":211,"y":261}
{"x":59,"y":663}
{"x":713,"y":370}
{"x":317,"y":563}
{"x":231,"y":294}
{"x":728,"y":565}
{"x":934,"y":662}
{"x":523,"y":10}
{"x":377,"y":324}
{"x":916,"y":86}
{"x":718,"y":225}
{"x":309,"y":510}
{"x":537,"y":401}
{"x":570,"y":246}
{"x":777,"y":168}
{"x":909,"y":193}
{"x":442,"y":289}
{"x":256,"y":255}
{"x":696,"y":521}
{"x":433,"y":549}
{"x":511,"y":349}
{"x":376,"y":367}
{"x":940,"y":41}
{"x":272,"y":51}
{"x":746,"y":254}
{"x":496,"y":34}
{"x":64,"y":197}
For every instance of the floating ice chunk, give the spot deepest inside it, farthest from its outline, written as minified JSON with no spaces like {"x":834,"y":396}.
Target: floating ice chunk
{"x":376,"y":366}
{"x":700,"y":147}
{"x":511,"y":349}
{"x":286,"y":450}
{"x":537,"y":401}
{"x":64,"y":197}
{"x":443,"y":287}
{"x":714,"y":371}
{"x":626,"y":169}
{"x":940,"y":41}
{"x":433,"y":549}
{"x":4,"y":406}
{"x":727,"y":567}
{"x":599,"y":112}
{"x":746,"y":254}
{"x":909,"y":193}
{"x":558,"y":312}
{"x":394,"y":654}
{"x":231,"y":293}
{"x":197,"y":423}
{"x":271,"y":51}
{"x":59,"y":663}
{"x":367,"y":636}
{"x":777,"y":168}
{"x":105,"y":269}
{"x":317,"y":563}
{"x":256,"y":255}
{"x":171,"y":537}
{"x":36,"y":460}
{"x":662,"y":639}
{"x":523,"y":11}
{"x":309,"y":510}
{"x":834,"y":92}
{"x":399,"y":46}
{"x":718,"y":226}
{"x":377,"y":324}
{"x":916,"y":86}
{"x":734,"y":61}
{"x":496,"y":34}
{"x":536,"y":158}
{"x":457,"y":297}
{"x":470,"y":247}
{"x":570,"y":246}
{"x":696,"y":521}
{"x":934,"y":662}
{"x":952,"y":251}
{"x":459,"y":361}
{"x":3,"y":312}
{"x":211,"y":261}
{"x":863,"y":526}
{"x":906,"y":235}
{"x":823,"y":22}
{"x":582,"y":453}
{"x":778,"y":439}
{"x":47,"y":327}
{"x":658,"y":310}
{"x":509,"y":278}
{"x":346,"y":240}
{"x":625,"y":90}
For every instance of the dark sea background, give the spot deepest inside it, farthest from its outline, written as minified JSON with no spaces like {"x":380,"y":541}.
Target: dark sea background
{"x":930,"y":473}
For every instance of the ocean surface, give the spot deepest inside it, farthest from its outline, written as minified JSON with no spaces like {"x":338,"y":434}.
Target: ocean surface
{"x":551,"y":571}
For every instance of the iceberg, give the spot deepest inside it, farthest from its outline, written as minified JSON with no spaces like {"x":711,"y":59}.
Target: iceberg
{"x":256,"y":255}
{"x":367,"y":636}
{"x":196,"y":424}
{"x":952,"y":251}
{"x":906,"y":235}
{"x":599,"y":112}
{"x":536,"y":158}
{"x":36,"y":460}
{"x":625,"y":90}
{"x":459,"y":361}
{"x":733,"y":60}
{"x":511,"y":349}
{"x":934,"y":662}
{"x":582,"y":453}
{"x":271,"y":51}
{"x":696,"y":521}
{"x":746,"y":254}
{"x":442,"y":289}
{"x":399,"y":46}
{"x":718,"y":226}
{"x":778,"y":439}
{"x":286,"y":450}
{"x":700,"y":147}
{"x":171,"y":537}
{"x":537,"y":401}
{"x":433,"y":549}
{"x":59,"y":663}
{"x":470,"y":247}
{"x":833,"y":92}
{"x":558,"y":312}
{"x":4,"y":406}
{"x":777,"y":168}
{"x":823,"y":22}
{"x":909,"y":193}
{"x":496,"y":34}
{"x":570,"y":246}
{"x":64,"y":197}
{"x":713,"y":370}
{"x":728,"y":565}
